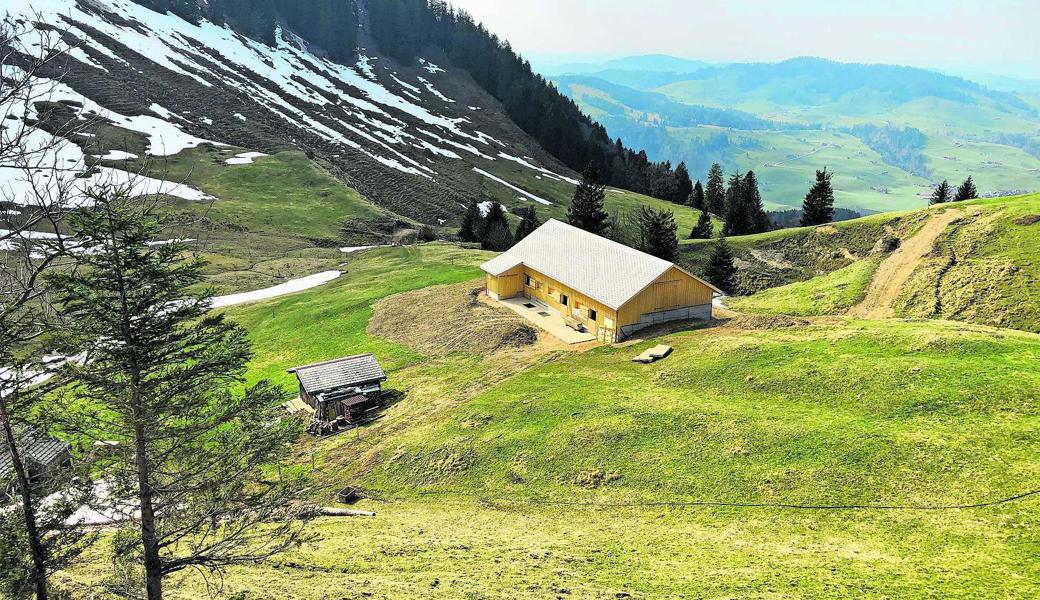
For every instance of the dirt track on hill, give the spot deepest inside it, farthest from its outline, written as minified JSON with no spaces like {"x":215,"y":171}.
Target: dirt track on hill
{"x":895,"y":271}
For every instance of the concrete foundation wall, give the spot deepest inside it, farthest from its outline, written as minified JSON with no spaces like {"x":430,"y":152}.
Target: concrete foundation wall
{"x":702,"y":312}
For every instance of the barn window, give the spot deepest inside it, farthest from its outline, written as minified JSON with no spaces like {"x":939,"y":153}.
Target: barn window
{"x":530,"y":282}
{"x":592,"y":315}
{"x":564,"y":299}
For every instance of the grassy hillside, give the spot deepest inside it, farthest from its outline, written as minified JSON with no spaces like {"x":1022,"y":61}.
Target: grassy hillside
{"x":285,"y":193}
{"x":983,"y":269}
{"x":283,"y":216}
{"x":563,"y":474}
{"x":830,"y":294}
{"x":986,"y":270}
{"x":785,"y":256}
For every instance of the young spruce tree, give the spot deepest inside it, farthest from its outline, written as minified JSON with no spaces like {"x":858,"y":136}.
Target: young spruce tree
{"x":697,"y":199}
{"x":497,"y":236}
{"x":818,"y":207}
{"x":757,"y":219}
{"x":704,"y":229}
{"x":942,"y":194}
{"x":528,"y":223}
{"x":721,"y":269}
{"x":715,"y":192}
{"x":683,"y":185}
{"x":586,"y":210}
{"x":657,"y":233}
{"x":472,"y":224}
{"x":192,"y":445}
{"x":966,"y":191}
{"x":736,"y":214}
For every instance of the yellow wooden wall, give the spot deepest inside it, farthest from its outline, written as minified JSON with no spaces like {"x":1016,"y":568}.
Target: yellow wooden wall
{"x":605,"y":316}
{"x":507,"y":285}
{"x":674,"y":289}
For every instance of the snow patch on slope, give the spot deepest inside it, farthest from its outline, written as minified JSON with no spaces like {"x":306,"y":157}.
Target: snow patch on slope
{"x":526,"y":194}
{"x":290,"y":287}
{"x":269,"y":76}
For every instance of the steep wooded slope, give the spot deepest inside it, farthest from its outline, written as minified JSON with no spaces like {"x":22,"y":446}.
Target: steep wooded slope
{"x":417,"y":137}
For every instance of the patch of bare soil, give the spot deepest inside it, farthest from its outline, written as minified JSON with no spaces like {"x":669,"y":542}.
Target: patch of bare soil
{"x":766,"y":322}
{"x":444,"y":319}
{"x":1028,"y":220}
{"x":774,"y":259}
{"x":893,"y":274}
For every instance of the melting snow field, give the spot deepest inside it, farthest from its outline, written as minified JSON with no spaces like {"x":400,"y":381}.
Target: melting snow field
{"x":353,"y":249}
{"x":246,"y":158}
{"x":22,"y":186}
{"x":348,"y":105}
{"x":188,"y":49}
{"x":118,"y":155}
{"x":527,"y":195}
{"x":289,"y":287}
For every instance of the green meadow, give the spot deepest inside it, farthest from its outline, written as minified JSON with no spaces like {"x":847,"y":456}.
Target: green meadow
{"x":822,"y":458}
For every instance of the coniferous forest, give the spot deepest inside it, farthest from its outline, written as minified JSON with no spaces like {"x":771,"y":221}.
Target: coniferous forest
{"x":406,"y":28}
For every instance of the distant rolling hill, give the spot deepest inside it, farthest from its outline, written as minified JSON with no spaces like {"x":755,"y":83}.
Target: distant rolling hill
{"x":888,"y":132}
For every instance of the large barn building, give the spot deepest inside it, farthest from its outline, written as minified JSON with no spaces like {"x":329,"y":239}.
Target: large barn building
{"x":610,"y":289}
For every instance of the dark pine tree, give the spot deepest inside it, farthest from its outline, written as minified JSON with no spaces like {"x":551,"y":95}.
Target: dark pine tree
{"x":715,"y":192}
{"x":472,"y":224}
{"x":721,"y":270}
{"x":586,"y":211}
{"x":967,"y":191}
{"x":657,"y":233}
{"x":528,"y":222}
{"x":735,"y":210}
{"x":818,"y":207}
{"x":697,"y":199}
{"x":757,"y":219}
{"x":704,"y":229}
{"x":683,"y":185}
{"x":943,"y":192}
{"x":497,"y":236}
{"x":195,"y":445}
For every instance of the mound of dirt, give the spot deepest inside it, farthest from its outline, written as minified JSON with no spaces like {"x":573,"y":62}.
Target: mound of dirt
{"x":441,"y":320}
{"x":755,"y":322}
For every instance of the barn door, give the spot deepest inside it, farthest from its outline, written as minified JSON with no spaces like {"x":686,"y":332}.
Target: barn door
{"x":666,"y":295}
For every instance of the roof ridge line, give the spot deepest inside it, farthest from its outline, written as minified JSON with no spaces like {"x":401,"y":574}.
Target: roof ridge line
{"x":329,"y":362}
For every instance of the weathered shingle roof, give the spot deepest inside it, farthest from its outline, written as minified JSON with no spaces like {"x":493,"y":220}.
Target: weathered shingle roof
{"x":36,"y":448}
{"x":351,"y":371}
{"x":593,"y":265}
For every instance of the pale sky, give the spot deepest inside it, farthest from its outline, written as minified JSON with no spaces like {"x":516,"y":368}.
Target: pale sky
{"x":996,"y":36}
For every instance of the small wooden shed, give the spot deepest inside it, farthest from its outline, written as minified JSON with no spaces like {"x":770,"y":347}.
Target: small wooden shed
{"x":341,"y":391}
{"x":42,"y":455}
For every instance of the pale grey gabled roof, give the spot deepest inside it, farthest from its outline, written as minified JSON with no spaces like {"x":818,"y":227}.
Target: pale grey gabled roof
{"x":602,"y":269}
{"x":351,"y":371}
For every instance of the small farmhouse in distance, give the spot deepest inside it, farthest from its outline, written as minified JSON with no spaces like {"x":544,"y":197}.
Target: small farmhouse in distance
{"x":606,"y":288}
{"x":340,"y":392}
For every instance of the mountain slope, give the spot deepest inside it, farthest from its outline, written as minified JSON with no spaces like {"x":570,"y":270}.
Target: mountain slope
{"x":418,"y":138}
